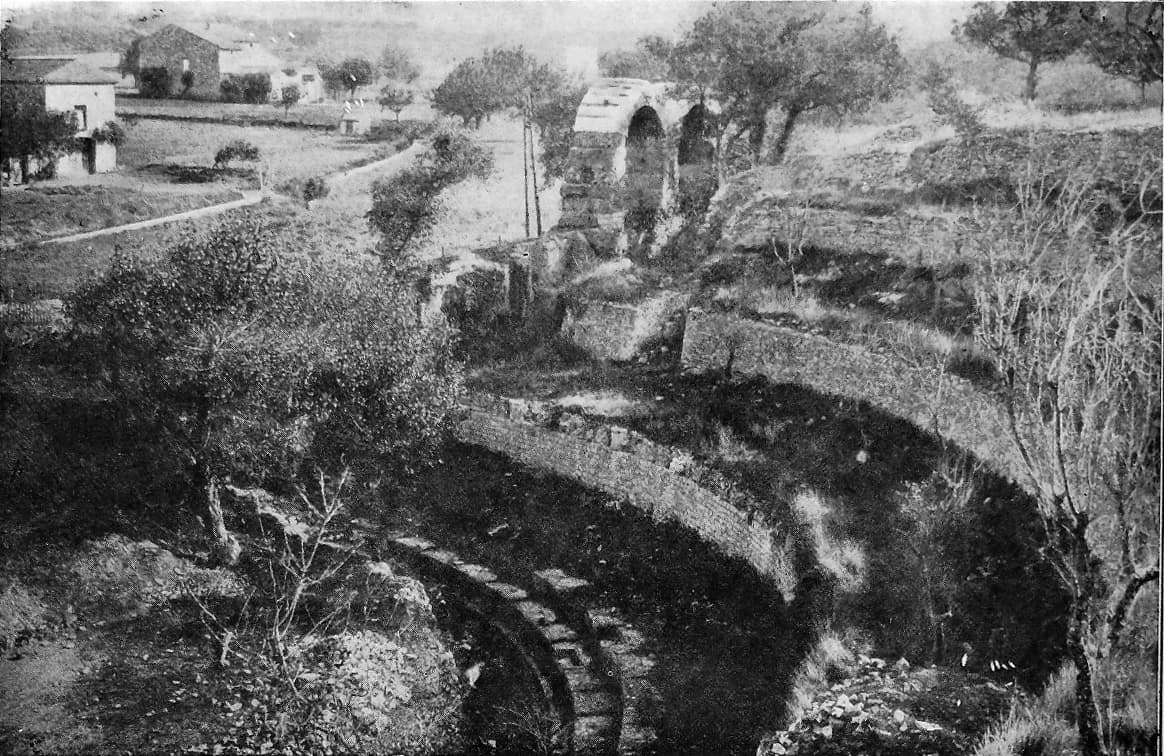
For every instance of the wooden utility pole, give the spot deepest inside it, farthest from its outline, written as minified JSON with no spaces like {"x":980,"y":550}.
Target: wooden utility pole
{"x":534,"y":166}
{"x":525,"y":171}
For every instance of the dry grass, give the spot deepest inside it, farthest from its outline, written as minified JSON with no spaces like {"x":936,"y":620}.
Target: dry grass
{"x":829,"y":662}
{"x":843,"y":559}
{"x":36,"y":214}
{"x":291,"y":153}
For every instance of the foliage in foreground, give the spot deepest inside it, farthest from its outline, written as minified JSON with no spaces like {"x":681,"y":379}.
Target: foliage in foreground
{"x":1068,"y":303}
{"x":248,"y":363}
{"x":406,"y":207}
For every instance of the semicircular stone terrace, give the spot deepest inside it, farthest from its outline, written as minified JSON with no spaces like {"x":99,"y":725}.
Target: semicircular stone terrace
{"x":947,"y":405}
{"x":664,"y":482}
{"x":591,"y":664}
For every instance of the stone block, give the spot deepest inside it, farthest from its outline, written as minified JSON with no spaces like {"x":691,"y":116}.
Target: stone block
{"x":559,"y":582}
{"x":415,"y":543}
{"x":559,"y":632}
{"x":508,"y":592}
{"x":594,"y":703}
{"x":619,"y":437}
{"x":536,"y":613}
{"x":477,"y":572}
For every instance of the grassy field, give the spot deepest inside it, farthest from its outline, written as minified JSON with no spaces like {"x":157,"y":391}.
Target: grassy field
{"x":41,"y":213}
{"x":291,"y":153}
{"x":325,"y":113}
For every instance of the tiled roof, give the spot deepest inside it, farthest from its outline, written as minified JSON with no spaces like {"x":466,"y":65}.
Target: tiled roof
{"x":54,"y":70}
{"x":227,"y":37}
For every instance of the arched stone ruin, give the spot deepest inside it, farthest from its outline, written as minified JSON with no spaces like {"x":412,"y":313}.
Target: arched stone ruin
{"x":634,"y":146}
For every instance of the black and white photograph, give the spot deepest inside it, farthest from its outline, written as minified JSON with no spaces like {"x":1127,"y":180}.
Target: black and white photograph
{"x":580,"y":377}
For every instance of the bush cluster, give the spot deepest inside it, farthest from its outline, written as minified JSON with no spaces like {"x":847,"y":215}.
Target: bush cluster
{"x":254,"y":89}
{"x":235,"y":150}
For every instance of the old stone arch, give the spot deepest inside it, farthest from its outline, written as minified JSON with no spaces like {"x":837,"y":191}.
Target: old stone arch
{"x":623,"y":162}
{"x":696,"y":172}
{"x":645,"y":183}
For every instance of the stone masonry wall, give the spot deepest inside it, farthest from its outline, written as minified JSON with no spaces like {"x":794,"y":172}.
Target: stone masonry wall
{"x":170,"y":46}
{"x":1114,"y":155}
{"x":664,"y":482}
{"x":947,"y":405}
{"x":834,"y":228}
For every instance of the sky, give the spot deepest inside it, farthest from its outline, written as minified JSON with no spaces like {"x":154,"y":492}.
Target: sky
{"x":576,"y":21}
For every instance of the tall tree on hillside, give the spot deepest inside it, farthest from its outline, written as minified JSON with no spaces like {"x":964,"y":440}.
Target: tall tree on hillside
{"x":406,"y":207}
{"x":348,"y":76}
{"x":397,"y":65}
{"x":1125,"y":40}
{"x":396,"y":98}
{"x":130,"y":61}
{"x":754,"y":57}
{"x":1031,"y":32}
{"x":650,"y":59}
{"x":1072,"y":316}
{"x":466,"y":93}
{"x":249,"y":362}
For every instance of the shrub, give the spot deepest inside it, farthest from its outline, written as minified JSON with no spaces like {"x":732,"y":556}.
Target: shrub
{"x":254,"y":89}
{"x":236,"y":150}
{"x":315,"y":188}
{"x":154,"y":82}
{"x":112,"y":133}
{"x":187,"y":81}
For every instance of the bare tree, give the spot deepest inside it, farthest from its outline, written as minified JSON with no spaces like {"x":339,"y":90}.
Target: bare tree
{"x":1069,"y":304}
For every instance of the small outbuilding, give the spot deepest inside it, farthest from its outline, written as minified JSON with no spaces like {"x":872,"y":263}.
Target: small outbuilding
{"x":356,"y":119}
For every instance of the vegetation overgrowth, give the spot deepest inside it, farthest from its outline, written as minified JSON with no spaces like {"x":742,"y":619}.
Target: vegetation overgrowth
{"x":957,"y":568}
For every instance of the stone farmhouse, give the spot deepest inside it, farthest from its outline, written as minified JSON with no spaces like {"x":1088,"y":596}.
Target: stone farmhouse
{"x":71,"y":86}
{"x":214,"y":51}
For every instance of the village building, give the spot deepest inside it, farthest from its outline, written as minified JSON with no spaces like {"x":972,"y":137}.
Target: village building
{"x":68,"y":86}
{"x":214,"y":51}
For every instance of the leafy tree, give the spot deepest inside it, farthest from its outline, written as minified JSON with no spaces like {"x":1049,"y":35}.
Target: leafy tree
{"x":753,"y":57}
{"x":348,"y":76}
{"x":154,"y":82}
{"x":395,"y":98}
{"x":249,"y":363}
{"x":650,"y":59}
{"x":553,"y":114}
{"x":466,"y":93}
{"x":396,"y":64}
{"x":288,"y":97}
{"x":1031,"y":32}
{"x":406,"y":207}
{"x":1124,"y":39}
{"x":1072,"y":318}
{"x":130,"y":61}
{"x":27,"y":130}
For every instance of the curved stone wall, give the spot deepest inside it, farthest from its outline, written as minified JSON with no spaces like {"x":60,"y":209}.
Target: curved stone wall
{"x":664,"y":482}
{"x":951,"y":407}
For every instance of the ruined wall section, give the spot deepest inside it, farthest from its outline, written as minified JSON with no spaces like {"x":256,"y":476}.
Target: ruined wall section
{"x":665,"y":482}
{"x":952,"y":408}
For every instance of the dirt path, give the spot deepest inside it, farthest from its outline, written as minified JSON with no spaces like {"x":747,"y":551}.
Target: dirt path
{"x":250,"y":197}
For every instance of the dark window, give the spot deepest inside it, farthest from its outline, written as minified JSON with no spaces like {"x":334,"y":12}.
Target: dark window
{"x":81,"y":117}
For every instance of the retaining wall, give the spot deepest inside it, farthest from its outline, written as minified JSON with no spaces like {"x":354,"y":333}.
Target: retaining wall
{"x":949,"y":406}
{"x":1113,"y":155}
{"x":664,"y":482}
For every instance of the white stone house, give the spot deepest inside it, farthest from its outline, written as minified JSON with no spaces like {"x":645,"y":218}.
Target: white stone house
{"x":69,"y":86}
